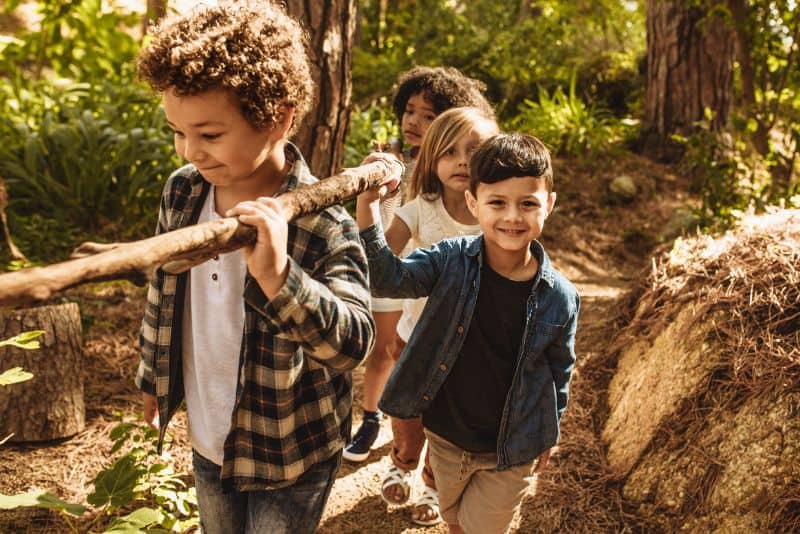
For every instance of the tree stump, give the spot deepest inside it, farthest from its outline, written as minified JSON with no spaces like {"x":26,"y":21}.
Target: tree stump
{"x":50,"y":405}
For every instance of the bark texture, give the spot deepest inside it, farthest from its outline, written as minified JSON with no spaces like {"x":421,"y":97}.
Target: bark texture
{"x":50,"y":405}
{"x":331,"y":26}
{"x":690,"y":55}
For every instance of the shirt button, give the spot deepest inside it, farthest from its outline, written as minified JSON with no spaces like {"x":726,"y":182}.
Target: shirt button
{"x":214,"y":277}
{"x":426,"y":398}
{"x":460,"y":329}
{"x":443,"y":367}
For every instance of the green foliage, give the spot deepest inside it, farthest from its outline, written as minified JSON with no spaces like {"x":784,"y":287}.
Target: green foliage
{"x":568,"y":125}
{"x":76,"y":39}
{"x":82,"y":159}
{"x":42,"y":499}
{"x":729,"y":178}
{"x":369,"y":129}
{"x":514,"y":51}
{"x":27,"y":341}
{"x":84,"y":148}
{"x":768,"y":92}
{"x":161,"y":500}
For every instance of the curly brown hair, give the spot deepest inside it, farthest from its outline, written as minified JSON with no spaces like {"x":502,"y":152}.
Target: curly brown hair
{"x":254,"y":49}
{"x":443,"y":87}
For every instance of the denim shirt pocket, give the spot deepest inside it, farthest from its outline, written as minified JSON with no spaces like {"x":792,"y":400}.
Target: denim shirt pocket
{"x":544,"y":333}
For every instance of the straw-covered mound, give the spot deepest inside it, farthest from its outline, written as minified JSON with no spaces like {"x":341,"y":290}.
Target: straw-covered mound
{"x":704,"y":406}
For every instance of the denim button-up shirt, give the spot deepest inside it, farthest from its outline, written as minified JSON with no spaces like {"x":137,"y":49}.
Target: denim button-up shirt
{"x":449,"y":274}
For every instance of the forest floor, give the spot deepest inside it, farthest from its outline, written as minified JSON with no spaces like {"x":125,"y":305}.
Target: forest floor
{"x":601,"y":245}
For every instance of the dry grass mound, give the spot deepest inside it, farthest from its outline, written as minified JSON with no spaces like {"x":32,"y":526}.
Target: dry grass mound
{"x":703,"y":421}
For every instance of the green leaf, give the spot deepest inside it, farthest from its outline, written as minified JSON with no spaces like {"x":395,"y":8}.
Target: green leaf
{"x":14,"y":376}
{"x":116,"y":484}
{"x":52,"y":502}
{"x":10,"y":502}
{"x":24,"y":340}
{"x":42,"y":499}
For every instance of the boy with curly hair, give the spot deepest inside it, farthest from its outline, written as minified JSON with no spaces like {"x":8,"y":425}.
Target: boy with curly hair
{"x":258,"y":341}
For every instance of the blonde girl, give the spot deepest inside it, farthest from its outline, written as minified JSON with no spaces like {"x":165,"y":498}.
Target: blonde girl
{"x":436,"y":209}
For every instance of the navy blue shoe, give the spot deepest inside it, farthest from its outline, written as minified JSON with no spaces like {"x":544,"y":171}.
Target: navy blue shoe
{"x":358,"y":449}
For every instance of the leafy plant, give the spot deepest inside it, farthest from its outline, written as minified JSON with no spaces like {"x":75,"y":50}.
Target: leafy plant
{"x":27,"y":341}
{"x":569,"y":126}
{"x":68,"y":40}
{"x":730,"y":178}
{"x":82,"y":159}
{"x":368,"y":129}
{"x":160,"y":498}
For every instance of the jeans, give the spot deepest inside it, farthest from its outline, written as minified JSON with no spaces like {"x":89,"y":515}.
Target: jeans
{"x":295,"y":509}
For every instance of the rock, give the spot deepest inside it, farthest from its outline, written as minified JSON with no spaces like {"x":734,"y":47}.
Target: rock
{"x":623,"y":188}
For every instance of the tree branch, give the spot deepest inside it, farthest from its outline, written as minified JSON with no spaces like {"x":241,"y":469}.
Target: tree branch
{"x":181,"y":249}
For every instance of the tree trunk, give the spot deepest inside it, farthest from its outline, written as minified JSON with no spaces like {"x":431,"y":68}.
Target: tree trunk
{"x":331,"y":26}
{"x":689,"y":68}
{"x":50,"y":405}
{"x":156,"y":10}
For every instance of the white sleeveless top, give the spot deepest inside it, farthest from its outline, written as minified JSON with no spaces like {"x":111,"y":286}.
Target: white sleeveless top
{"x":213,"y":322}
{"x":429,"y":223}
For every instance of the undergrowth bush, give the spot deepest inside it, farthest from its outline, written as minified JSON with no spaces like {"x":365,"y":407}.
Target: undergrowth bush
{"x":84,"y":161}
{"x":138,"y":492}
{"x":569,"y":126}
{"x":84,"y":148}
{"x":369,"y":129}
{"x":728,"y":175}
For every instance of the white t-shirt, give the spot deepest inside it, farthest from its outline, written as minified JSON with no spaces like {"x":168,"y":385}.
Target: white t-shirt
{"x":429,"y":223}
{"x":213,"y":322}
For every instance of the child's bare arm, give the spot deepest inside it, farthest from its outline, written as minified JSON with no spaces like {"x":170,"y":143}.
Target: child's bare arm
{"x":397,"y":235}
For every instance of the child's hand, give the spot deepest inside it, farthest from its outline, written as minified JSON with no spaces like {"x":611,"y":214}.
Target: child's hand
{"x":150,"y":410}
{"x":387,"y":190}
{"x":267,"y":260}
{"x":542,"y":461}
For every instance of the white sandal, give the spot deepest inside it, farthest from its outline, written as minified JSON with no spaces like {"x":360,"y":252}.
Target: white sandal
{"x":394,"y":476}
{"x":429,"y":498}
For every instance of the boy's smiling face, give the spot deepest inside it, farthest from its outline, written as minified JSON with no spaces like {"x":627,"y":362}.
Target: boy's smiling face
{"x":511,"y":212}
{"x":212,"y":133}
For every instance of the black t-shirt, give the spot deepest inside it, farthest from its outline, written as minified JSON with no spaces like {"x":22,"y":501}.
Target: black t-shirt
{"x":467,"y":409}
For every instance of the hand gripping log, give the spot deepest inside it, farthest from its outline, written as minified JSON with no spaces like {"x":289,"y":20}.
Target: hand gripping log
{"x":179,"y":250}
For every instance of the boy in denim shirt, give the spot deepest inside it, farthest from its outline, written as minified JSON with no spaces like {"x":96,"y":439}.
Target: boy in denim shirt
{"x":489,"y":363}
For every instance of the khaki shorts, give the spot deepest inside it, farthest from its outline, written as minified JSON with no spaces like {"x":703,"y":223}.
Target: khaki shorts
{"x":472,"y":492}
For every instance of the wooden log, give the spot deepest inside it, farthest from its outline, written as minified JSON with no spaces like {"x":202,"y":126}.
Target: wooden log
{"x":51,"y":404}
{"x":178,"y":251}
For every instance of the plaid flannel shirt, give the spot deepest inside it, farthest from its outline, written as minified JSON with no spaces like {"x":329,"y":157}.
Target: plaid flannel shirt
{"x":293,"y":399}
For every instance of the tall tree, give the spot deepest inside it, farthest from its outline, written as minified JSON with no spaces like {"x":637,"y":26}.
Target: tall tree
{"x":156,"y":10}
{"x":331,"y":27}
{"x":690,"y":51}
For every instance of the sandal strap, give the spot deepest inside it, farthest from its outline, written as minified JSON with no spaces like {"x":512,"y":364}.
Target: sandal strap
{"x":429,"y":497}
{"x":395,"y":475}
